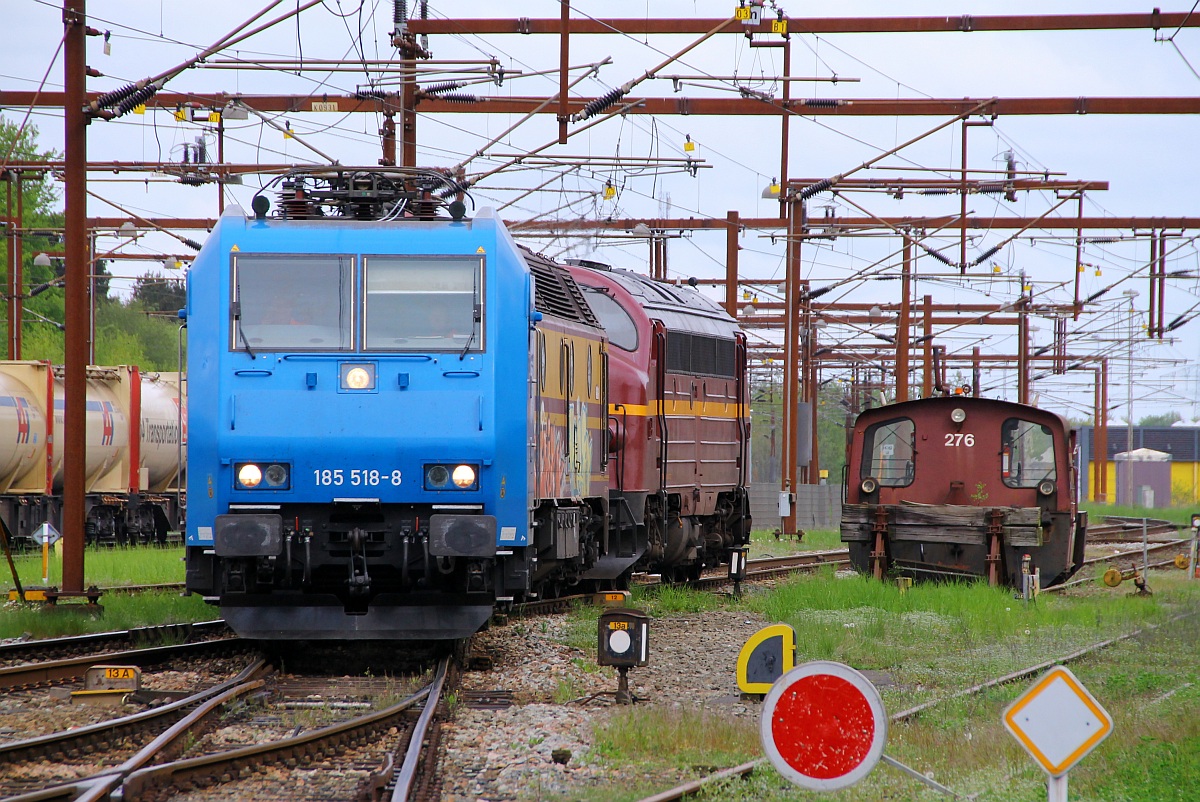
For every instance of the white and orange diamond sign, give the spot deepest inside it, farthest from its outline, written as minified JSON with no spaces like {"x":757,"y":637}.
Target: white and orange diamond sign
{"x":1058,"y":721}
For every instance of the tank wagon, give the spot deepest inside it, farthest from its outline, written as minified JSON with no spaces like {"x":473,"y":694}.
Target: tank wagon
{"x":401,"y":419}
{"x":962,"y":487}
{"x":678,"y":424}
{"x":133,"y":419}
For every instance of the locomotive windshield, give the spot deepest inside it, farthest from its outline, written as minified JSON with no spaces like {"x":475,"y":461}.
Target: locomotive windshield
{"x":1027,"y":457}
{"x":292,"y":302}
{"x":888,"y":453}
{"x":423,"y":303}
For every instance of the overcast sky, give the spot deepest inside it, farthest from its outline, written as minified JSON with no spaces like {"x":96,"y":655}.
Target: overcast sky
{"x":1149,"y":161}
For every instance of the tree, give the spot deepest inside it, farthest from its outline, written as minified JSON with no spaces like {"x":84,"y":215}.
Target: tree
{"x":125,"y":334}
{"x":1165,"y":419}
{"x":41,"y":221}
{"x":158,"y":293}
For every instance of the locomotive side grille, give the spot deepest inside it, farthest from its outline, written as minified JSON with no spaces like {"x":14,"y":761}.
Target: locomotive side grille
{"x":556,"y":293}
{"x":700,"y":354}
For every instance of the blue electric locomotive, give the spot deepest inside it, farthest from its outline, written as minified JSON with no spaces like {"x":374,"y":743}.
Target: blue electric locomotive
{"x":396,"y":418}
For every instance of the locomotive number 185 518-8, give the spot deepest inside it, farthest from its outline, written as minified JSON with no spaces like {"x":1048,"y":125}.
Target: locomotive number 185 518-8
{"x":336,"y":477}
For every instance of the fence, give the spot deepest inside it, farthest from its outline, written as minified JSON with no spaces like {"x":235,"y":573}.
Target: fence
{"x":817,"y":506}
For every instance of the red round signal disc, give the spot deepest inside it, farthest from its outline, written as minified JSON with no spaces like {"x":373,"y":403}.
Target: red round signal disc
{"x":823,"y":726}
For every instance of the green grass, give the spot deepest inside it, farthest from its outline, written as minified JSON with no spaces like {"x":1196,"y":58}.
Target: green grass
{"x":763,"y":543}
{"x":932,"y":641}
{"x":104,"y":567}
{"x":1178,"y":515}
{"x":120,"y":611}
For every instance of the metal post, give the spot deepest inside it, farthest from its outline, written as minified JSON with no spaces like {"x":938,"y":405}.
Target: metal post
{"x":731,"y":263}
{"x":221,"y":160}
{"x":75,"y":222}
{"x":1056,"y":789}
{"x":791,"y":358}
{"x":18,"y":271}
{"x":1023,"y":345}
{"x":1101,"y":449}
{"x":903,"y":324}
{"x":1192,"y":556}
{"x":784,"y":122}
{"x":564,"y":76}
{"x":927,"y":345}
{"x":11,"y":225}
{"x":1129,"y":414}
{"x":1145,"y":548}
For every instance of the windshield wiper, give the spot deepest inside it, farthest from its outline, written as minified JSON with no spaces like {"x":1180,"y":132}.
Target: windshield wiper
{"x":237,"y":322}
{"x":474,"y":322}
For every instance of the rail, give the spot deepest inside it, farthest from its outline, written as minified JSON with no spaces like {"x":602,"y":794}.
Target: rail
{"x":696,"y":786}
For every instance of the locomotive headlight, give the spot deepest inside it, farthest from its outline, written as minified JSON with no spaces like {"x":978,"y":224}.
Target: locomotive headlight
{"x":358,"y":377}
{"x":464,"y":476}
{"x":276,"y":475}
{"x":249,"y":475}
{"x":451,"y":477}
{"x":958,"y":415}
{"x":869,"y":485}
{"x":1046,"y":487}
{"x":436,"y":476}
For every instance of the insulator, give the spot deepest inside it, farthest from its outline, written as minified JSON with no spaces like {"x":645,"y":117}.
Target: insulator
{"x":194,"y":180}
{"x":136,"y":99}
{"x":992,"y":188}
{"x":819,"y":291}
{"x":459,"y":98}
{"x":448,"y":86}
{"x":935,"y":191}
{"x":814,"y":189}
{"x":191,"y":243}
{"x":822,"y":102}
{"x":112,"y":98}
{"x":601,"y":103}
{"x":983,"y":257}
{"x":364,"y":94}
{"x":939,"y":256}
{"x":452,"y":188}
{"x":400,"y":12}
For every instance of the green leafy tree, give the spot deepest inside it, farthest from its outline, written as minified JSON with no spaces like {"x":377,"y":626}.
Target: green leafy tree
{"x":41,"y":222}
{"x":159,"y":293}
{"x":126,"y":334}
{"x":1165,"y":419}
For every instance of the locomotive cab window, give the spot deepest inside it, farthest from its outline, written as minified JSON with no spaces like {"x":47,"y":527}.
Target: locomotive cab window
{"x":424,"y":303}
{"x":1027,"y":453}
{"x":888,"y":454}
{"x":291,"y":302}
{"x":618,"y":325}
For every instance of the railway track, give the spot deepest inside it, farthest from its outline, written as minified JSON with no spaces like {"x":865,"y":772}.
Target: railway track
{"x":695,"y":787}
{"x":181,"y":759}
{"x":1120,"y":529}
{"x":1133,"y":556}
{"x":18,"y":652}
{"x":56,"y":759}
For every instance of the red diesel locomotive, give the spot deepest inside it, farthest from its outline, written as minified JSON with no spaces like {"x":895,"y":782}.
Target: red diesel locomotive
{"x":963,"y":487}
{"x":678,"y":421}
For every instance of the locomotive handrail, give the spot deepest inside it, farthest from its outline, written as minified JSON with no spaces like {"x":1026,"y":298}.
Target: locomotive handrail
{"x":344,"y":355}
{"x":461,"y":374}
{"x":254,"y":372}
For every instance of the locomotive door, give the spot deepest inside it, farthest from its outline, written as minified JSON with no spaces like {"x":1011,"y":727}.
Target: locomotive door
{"x":571,"y":445}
